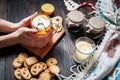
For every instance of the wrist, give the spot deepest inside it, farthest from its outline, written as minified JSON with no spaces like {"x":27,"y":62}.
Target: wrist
{"x":15,"y":26}
{"x":8,"y":40}
{"x":7,"y":27}
{"x":13,"y":37}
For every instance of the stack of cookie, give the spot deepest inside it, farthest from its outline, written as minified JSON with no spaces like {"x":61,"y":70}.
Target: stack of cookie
{"x":29,"y":68}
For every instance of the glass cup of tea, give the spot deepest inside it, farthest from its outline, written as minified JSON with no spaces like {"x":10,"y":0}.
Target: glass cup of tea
{"x":84,"y":48}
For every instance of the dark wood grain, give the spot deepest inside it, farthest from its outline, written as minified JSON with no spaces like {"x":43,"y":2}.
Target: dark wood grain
{"x":14,"y":11}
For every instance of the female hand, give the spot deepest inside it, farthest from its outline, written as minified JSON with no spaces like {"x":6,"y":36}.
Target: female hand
{"x":26,"y":21}
{"x":19,"y":33}
{"x":25,"y":36}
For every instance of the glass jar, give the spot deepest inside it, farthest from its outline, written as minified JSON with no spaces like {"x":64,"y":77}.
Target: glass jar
{"x":74,"y":21}
{"x":42,"y":23}
{"x":84,"y":48}
{"x":95,"y":26}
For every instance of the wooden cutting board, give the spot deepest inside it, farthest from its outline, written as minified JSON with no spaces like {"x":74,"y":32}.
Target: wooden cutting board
{"x":41,"y":52}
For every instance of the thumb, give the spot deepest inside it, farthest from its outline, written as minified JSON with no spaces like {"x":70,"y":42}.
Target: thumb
{"x":30,"y":17}
{"x":26,"y":21}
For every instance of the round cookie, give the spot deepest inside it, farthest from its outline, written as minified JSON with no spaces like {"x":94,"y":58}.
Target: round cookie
{"x":36,"y":69}
{"x":22,"y":56}
{"x":17,"y":63}
{"x":25,"y":73}
{"x":17,"y":74}
{"x":44,"y":65}
{"x":54,"y":69}
{"x":34,"y":79}
{"x":45,"y":76}
{"x":48,"y":71}
{"x":51,"y":61}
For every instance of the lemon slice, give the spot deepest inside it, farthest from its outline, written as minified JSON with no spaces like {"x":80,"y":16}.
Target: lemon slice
{"x":47,"y":9}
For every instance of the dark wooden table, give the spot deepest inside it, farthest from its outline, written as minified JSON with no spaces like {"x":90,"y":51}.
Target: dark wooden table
{"x":14,"y":11}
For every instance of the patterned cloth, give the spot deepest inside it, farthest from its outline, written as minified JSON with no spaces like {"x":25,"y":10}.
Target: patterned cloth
{"x":115,"y":75}
{"x":109,"y":10}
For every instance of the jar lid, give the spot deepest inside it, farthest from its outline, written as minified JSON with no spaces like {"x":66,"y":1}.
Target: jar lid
{"x":40,"y":22}
{"x":75,"y":16}
{"x":96,"y":23}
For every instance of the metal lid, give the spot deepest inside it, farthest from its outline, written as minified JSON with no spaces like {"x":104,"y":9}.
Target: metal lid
{"x":96,"y":23}
{"x":75,"y":16}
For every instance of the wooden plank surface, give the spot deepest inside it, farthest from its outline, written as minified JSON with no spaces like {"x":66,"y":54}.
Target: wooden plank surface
{"x":14,"y":11}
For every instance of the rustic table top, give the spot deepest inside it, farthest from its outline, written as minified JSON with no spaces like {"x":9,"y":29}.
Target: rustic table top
{"x":14,"y":11}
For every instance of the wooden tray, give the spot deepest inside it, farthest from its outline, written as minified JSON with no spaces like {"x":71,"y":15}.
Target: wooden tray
{"x":41,"y":52}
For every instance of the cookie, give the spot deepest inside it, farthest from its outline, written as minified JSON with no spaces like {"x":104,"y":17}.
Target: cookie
{"x":48,"y":71}
{"x":36,"y":69}
{"x":51,"y":61}
{"x":56,"y":26}
{"x":34,"y":79}
{"x":17,"y":74}
{"x":30,"y":61}
{"x":22,"y":56}
{"x":45,"y":76}
{"x":44,"y":65}
{"x":54,"y":69}
{"x":25,"y":64}
{"x":71,"y":5}
{"x":17,"y":63}
{"x":25,"y":73}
